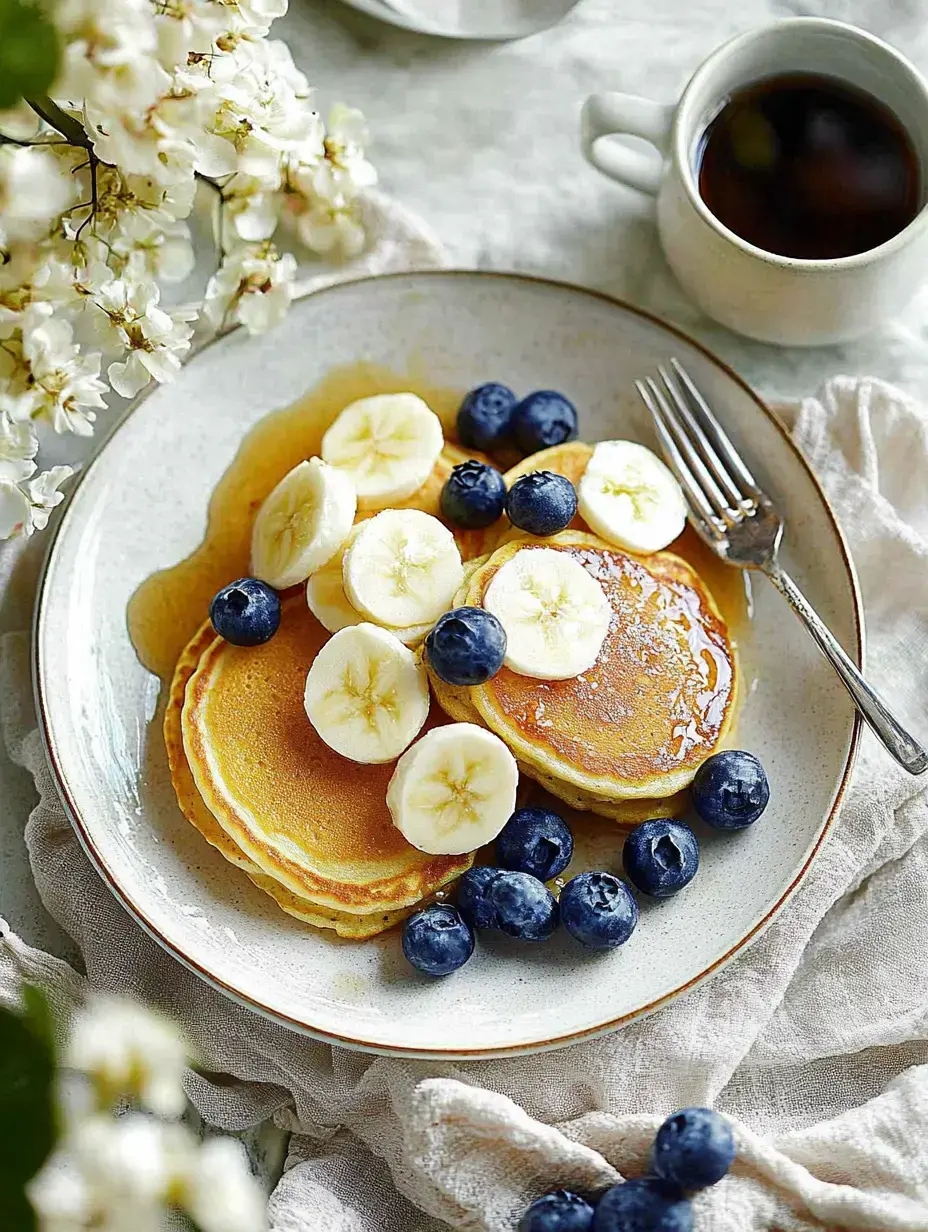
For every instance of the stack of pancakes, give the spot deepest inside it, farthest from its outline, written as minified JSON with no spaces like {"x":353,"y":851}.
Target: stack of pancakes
{"x":312,"y":829}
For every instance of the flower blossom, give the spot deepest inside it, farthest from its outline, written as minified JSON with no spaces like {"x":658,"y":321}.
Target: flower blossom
{"x":32,"y":193}
{"x":129,"y":1050}
{"x":253,"y":287}
{"x":129,"y":319}
{"x":48,"y":375}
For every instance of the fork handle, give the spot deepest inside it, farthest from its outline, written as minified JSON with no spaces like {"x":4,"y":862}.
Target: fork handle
{"x":905,"y":748}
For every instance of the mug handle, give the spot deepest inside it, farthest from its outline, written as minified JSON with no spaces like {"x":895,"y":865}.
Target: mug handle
{"x":607,"y":115}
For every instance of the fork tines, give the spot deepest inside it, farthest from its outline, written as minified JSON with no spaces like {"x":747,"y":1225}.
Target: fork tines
{"x":718,"y":484}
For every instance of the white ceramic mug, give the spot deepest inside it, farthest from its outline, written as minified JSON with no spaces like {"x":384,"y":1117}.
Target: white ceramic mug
{"x":787,"y":300}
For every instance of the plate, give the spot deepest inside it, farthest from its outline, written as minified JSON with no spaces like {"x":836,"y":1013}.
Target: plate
{"x":141,"y":506}
{"x":488,"y":21}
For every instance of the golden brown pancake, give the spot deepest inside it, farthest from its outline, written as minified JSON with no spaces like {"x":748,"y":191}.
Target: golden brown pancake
{"x":196,"y":812}
{"x":656,"y":704}
{"x":309,"y":818}
{"x":457,"y":703}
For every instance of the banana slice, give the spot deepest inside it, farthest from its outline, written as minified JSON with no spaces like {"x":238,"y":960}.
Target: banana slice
{"x":387,"y":445}
{"x":366,"y":694}
{"x":402,"y":569}
{"x":325,"y":592}
{"x":326,"y":599}
{"x":302,"y":524}
{"x":629,"y":497}
{"x":556,"y":615}
{"x":454,"y":790}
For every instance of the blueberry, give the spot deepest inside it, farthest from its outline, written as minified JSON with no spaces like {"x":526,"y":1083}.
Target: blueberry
{"x":543,"y":419}
{"x":472,"y":900}
{"x":661,"y":857}
{"x":560,"y":1211}
{"x":730,"y":790}
{"x":246,"y":612}
{"x":535,"y":841}
{"x":485,"y":417}
{"x":474,"y":495}
{"x":647,"y":1204}
{"x":693,"y":1148}
{"x":598,"y":910}
{"x":521,"y":906}
{"x":541,"y":503}
{"x":466,"y":645}
{"x":436,"y":940}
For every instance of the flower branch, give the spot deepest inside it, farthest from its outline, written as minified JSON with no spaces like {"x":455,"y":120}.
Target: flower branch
{"x":132,"y":104}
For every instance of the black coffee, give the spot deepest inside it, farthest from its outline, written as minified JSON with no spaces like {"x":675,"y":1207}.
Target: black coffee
{"x":806,"y":166}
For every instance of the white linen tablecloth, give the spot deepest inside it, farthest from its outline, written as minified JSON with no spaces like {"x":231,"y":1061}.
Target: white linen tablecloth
{"x":816,"y":1040}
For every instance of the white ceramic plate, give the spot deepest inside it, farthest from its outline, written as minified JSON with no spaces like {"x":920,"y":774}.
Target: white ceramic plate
{"x":484,"y":21}
{"x":142,"y":506}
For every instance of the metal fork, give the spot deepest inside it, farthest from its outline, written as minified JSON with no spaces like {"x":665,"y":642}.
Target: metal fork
{"x":741,"y":524}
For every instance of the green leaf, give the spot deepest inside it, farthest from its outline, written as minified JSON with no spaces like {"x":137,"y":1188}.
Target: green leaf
{"x":29,"y":51}
{"x":38,"y":1015}
{"x":18,"y":1215}
{"x":27,"y":1119}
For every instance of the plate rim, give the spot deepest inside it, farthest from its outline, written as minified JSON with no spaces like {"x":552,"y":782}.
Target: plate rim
{"x":353,"y":1042}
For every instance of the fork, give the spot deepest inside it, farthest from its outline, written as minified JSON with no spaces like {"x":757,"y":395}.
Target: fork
{"x":741,"y":524}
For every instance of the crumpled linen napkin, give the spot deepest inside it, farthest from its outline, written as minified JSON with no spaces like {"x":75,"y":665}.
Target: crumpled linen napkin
{"x":815,"y":1041}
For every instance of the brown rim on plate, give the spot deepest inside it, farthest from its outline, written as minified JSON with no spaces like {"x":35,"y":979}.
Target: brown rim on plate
{"x":559,"y":1041}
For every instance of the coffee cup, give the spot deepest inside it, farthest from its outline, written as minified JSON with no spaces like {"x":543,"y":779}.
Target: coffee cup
{"x":789,"y":300}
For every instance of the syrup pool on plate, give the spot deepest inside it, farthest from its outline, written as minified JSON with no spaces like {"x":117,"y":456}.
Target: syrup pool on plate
{"x":169,"y":607}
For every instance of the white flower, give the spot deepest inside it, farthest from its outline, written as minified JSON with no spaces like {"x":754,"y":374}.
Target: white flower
{"x":263,"y":113}
{"x":15,"y":509}
{"x":146,"y":249}
{"x":33,"y":192}
{"x":60,"y":1194}
{"x":65,"y":385}
{"x":143,"y":145}
{"x":122,"y":197}
{"x":109,"y":54}
{"x":130,"y":320}
{"x":221,"y":1194}
{"x":345,"y":168}
{"x":251,"y":210}
{"x":252,"y":16}
{"x":134,"y":1160}
{"x":129,"y":1050}
{"x":31,"y":273}
{"x":27,"y":506}
{"x":44,"y":495}
{"x":253,"y":286}
{"x":328,"y":229}
{"x":114,"y":1175}
{"x":184,"y":27}
{"x":18,"y":447}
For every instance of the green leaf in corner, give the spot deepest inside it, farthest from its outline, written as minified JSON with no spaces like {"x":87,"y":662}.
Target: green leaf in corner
{"x":18,"y":1215}
{"x":30,"y":51}
{"x":38,"y":1015}
{"x":27,"y":1115}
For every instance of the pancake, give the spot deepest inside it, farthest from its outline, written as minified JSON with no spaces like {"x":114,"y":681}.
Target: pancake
{"x":309,"y":818}
{"x":658,"y":701}
{"x":569,"y":460}
{"x":457,"y":703}
{"x":196,"y":812}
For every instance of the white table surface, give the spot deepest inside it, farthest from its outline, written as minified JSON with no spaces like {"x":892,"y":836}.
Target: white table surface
{"x":482,"y":142}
